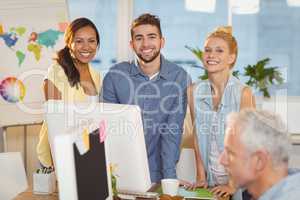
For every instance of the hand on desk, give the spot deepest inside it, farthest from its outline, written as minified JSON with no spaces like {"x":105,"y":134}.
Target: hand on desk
{"x":220,"y":191}
{"x":192,"y":186}
{"x":223,"y":190}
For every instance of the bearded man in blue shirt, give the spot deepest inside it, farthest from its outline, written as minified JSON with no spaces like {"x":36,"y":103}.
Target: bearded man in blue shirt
{"x":158,"y":86}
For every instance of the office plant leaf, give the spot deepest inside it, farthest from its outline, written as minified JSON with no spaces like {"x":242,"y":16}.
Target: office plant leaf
{"x":261,"y":77}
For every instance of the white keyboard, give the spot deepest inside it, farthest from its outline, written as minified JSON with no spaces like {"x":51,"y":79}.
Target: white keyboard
{"x":133,"y":195}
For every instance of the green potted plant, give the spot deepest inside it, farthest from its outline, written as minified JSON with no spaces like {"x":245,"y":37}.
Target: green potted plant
{"x":259,"y":75}
{"x":113,"y":177}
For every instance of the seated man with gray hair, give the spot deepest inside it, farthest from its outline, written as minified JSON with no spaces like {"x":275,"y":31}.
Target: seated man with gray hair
{"x":256,"y":155}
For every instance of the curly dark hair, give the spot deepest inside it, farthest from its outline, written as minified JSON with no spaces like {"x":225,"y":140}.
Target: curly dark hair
{"x":64,"y":58}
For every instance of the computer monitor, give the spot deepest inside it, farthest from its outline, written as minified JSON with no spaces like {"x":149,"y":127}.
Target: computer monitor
{"x":124,"y":145}
{"x":79,"y":176}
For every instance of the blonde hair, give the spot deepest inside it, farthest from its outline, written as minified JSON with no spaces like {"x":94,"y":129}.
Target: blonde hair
{"x":225,"y":33}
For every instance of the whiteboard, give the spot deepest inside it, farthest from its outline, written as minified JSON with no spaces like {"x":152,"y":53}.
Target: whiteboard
{"x":31,"y":32}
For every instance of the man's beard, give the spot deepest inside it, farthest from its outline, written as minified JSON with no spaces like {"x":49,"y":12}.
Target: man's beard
{"x":148,"y":60}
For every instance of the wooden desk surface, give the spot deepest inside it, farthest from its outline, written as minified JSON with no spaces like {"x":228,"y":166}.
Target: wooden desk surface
{"x":28,"y":195}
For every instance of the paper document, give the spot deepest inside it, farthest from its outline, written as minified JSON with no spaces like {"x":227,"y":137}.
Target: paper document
{"x":199,"y":193}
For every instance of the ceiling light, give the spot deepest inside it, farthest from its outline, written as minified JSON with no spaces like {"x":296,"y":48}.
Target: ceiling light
{"x":244,"y":6}
{"x":200,"y":5}
{"x":293,"y":2}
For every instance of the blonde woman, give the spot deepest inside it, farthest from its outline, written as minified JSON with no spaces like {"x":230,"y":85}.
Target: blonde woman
{"x":210,"y":101}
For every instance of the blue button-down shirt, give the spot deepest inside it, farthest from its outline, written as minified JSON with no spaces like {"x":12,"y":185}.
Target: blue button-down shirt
{"x":162,"y":100}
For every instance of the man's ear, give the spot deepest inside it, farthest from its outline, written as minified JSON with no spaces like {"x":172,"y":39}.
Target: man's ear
{"x":162,"y":45}
{"x":131,"y":44}
{"x":261,"y":160}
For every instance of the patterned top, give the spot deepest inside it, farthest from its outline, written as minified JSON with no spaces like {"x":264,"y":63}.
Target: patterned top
{"x":210,"y":125}
{"x":219,"y":174}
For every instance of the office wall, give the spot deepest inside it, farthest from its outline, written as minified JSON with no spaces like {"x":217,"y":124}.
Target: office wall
{"x":1,"y":140}
{"x":15,"y":142}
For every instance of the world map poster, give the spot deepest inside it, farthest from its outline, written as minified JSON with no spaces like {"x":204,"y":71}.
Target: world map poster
{"x":31,"y":32}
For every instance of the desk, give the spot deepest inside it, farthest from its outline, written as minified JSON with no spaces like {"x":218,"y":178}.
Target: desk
{"x":28,"y":195}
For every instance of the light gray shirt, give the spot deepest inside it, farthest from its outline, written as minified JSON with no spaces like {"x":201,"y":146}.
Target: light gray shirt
{"x":286,"y":189}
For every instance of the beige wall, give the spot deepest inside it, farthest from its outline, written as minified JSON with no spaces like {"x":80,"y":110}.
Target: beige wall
{"x":15,"y":142}
{"x":187,"y":139}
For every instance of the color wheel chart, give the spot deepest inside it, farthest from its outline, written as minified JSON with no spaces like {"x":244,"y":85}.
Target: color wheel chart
{"x":12,"y":90}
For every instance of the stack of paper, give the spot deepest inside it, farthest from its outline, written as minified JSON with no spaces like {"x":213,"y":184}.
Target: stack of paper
{"x":199,"y":193}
